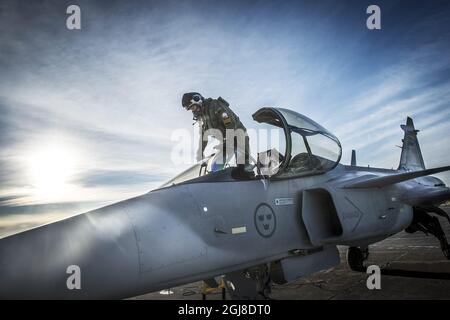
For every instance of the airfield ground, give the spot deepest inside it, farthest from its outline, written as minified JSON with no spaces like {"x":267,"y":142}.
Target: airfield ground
{"x":416,"y":252}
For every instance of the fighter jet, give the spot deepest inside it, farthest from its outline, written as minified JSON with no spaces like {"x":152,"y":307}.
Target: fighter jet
{"x":276,"y":225}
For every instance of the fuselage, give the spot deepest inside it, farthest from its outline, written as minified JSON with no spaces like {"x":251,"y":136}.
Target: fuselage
{"x":193,"y":231}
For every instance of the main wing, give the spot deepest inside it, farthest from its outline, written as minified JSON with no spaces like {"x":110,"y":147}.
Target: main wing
{"x":379,"y":182}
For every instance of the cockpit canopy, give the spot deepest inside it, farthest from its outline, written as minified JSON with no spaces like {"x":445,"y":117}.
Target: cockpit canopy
{"x":306,"y":149}
{"x":310,"y":148}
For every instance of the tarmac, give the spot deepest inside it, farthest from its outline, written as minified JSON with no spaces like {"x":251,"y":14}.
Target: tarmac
{"x":412,"y":252}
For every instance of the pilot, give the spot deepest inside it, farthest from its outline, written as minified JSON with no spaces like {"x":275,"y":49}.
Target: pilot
{"x":216,"y":116}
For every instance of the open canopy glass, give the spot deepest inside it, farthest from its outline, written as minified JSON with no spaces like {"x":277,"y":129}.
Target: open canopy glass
{"x":310,"y":148}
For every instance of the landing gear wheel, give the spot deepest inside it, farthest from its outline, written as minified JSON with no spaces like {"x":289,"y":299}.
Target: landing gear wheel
{"x":356,"y":258}
{"x":251,"y":284}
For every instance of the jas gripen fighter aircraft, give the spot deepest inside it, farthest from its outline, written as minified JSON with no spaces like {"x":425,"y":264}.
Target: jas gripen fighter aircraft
{"x":280,"y":223}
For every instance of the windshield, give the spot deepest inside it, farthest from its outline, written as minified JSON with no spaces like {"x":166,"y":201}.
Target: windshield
{"x":193,"y":172}
{"x":314,"y":149}
{"x":204,"y":167}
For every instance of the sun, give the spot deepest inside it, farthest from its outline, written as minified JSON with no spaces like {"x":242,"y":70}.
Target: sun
{"x":51,"y":169}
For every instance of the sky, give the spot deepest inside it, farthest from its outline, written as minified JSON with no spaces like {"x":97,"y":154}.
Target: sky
{"x":86,"y":116}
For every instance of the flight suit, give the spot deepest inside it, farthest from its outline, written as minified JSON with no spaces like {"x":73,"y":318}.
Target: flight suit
{"x":217,"y":114}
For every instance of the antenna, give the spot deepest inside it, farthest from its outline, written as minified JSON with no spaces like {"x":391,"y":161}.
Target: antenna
{"x":353,"y":163}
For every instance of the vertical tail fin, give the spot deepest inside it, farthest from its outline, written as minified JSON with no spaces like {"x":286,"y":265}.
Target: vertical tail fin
{"x":411,"y":157}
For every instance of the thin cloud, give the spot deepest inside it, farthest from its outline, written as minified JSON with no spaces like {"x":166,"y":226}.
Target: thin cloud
{"x":110,"y":93}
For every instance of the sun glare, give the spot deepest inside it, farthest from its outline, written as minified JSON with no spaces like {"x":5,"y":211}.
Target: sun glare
{"x":51,"y":169}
